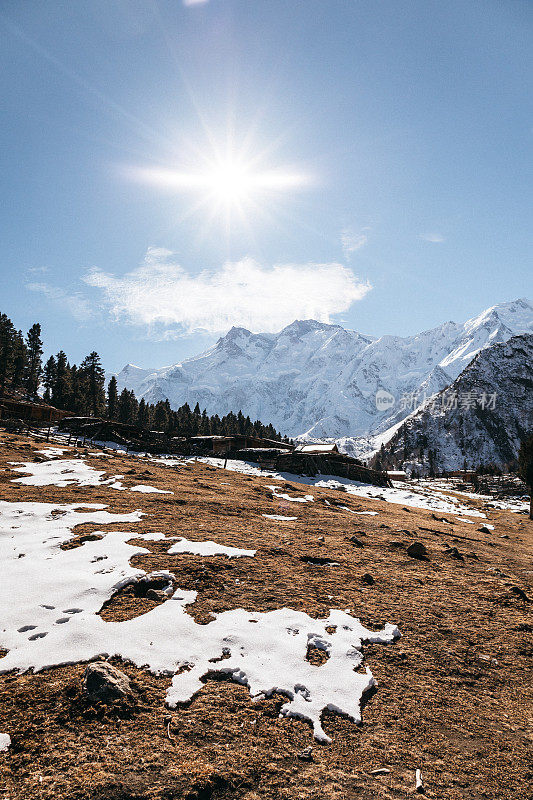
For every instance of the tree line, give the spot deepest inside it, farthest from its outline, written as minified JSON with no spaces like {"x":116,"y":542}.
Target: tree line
{"x":81,"y":389}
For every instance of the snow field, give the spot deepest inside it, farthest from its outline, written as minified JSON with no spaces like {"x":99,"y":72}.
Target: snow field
{"x":50,"y":598}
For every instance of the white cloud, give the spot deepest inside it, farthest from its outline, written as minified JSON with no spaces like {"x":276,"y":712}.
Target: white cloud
{"x":74,"y":303}
{"x":436,"y":238}
{"x":353,"y":240}
{"x":161,"y":295}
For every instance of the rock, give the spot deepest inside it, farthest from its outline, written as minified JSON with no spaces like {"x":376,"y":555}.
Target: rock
{"x":418,"y":550}
{"x":520,"y":593}
{"x":367,"y":578}
{"x":394,"y":545}
{"x":306,"y":754}
{"x":354,"y":540}
{"x":380,"y":771}
{"x":321,"y":539}
{"x":155,"y":594}
{"x":454,"y":553}
{"x":441,"y":519}
{"x":484,"y":529}
{"x":102,"y":681}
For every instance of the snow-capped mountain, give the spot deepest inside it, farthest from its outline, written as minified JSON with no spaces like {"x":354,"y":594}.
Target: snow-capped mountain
{"x":318,"y":380}
{"x":480,"y":418}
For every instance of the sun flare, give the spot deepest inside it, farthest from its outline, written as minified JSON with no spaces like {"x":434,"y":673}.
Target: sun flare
{"x":225,"y":183}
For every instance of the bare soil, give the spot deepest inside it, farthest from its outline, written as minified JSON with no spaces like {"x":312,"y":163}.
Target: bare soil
{"x":455,"y":692}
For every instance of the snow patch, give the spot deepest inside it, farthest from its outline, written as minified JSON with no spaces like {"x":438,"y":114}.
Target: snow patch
{"x":52,"y":452}
{"x":308,"y":498}
{"x":208,"y":548}
{"x":68,"y":472}
{"x":149,"y":490}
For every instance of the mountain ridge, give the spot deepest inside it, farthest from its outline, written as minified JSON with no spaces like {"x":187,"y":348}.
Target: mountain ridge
{"x":319,"y":380}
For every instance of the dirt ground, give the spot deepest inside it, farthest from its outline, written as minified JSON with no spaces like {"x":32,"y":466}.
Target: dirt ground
{"x":454,"y":693}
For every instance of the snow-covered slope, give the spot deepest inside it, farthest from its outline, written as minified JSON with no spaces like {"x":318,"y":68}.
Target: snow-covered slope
{"x":320,"y":380}
{"x":480,"y":418}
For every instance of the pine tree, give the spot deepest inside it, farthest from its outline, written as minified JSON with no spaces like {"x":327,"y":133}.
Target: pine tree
{"x":160,"y":417}
{"x":7,"y":350}
{"x":34,"y":364}
{"x":143,"y":414}
{"x":125,"y":407}
{"x":134,"y":409}
{"x":49,"y":377}
{"x":61,"y":388}
{"x":205,"y":425}
{"x":73,"y":399}
{"x":19,"y":360}
{"x":112,"y":398}
{"x":94,"y":374}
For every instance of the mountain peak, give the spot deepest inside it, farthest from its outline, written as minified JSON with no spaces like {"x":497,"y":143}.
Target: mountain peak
{"x":236,"y":331}
{"x":301,"y":327}
{"x":515,"y":315}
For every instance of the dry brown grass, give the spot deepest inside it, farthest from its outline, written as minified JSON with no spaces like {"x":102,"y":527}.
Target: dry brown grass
{"x":441,"y":705}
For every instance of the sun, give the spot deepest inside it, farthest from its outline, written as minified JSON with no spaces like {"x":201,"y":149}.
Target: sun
{"x":225,"y":185}
{"x":230,"y":182}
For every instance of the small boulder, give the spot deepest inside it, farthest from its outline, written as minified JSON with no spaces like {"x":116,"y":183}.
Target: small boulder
{"x":454,"y":553}
{"x":516,"y":590}
{"x":367,"y":578}
{"x":102,"y":681}
{"x":354,"y":540}
{"x":485,"y":529}
{"x":156,"y":594}
{"x":418,"y":550}
{"x":306,"y":754}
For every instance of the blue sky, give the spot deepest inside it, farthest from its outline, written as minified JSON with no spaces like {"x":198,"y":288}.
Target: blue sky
{"x":398,"y":135}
